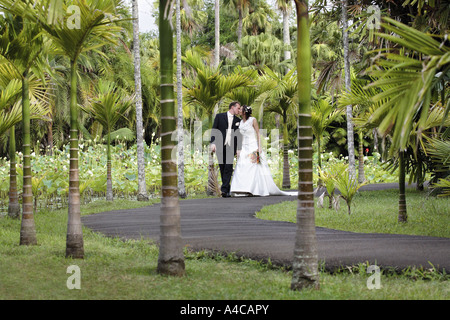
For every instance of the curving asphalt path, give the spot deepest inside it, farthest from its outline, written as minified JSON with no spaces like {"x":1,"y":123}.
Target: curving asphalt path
{"x":228,"y":225}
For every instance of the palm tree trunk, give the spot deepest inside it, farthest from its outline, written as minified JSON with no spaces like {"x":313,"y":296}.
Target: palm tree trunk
{"x":286,"y":35}
{"x":239,"y":32}
{"x":109,"y":191}
{"x":13,"y":205}
{"x":28,"y":229}
{"x":216,"y":33}
{"x":419,"y":172}
{"x":142,"y":188}
{"x":319,"y":159}
{"x":50,"y":136}
{"x":349,"y":109}
{"x":286,"y":176}
{"x":74,"y":239}
{"x":171,"y":258}
{"x":402,"y":213}
{"x":305,"y":262}
{"x":361,"y":176}
{"x":181,"y":184}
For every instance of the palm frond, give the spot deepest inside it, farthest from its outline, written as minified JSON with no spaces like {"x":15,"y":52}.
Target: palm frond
{"x":406,"y":82}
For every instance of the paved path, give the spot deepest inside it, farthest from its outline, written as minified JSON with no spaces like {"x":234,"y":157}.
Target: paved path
{"x":229,"y":225}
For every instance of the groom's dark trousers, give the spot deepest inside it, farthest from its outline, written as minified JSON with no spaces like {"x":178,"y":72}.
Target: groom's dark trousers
{"x":225,"y":152}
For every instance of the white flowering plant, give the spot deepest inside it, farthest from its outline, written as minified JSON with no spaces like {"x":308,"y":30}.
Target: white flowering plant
{"x":51,"y":173}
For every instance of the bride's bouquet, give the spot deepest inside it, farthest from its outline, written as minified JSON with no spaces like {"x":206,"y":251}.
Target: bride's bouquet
{"x":255,"y":157}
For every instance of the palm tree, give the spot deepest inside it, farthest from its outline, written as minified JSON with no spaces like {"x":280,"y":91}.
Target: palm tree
{"x":108,"y":107}
{"x":241,"y":6}
{"x":350,"y":137}
{"x":305,"y":263}
{"x":21,"y":46}
{"x":142,"y":189}
{"x":192,"y":17}
{"x":96,"y":28}
{"x":285,"y":6}
{"x":216,"y":60}
{"x":11,"y":114}
{"x":259,"y":18}
{"x":327,"y":57}
{"x":284,"y":93}
{"x":171,"y":257}
{"x":408,"y":81}
{"x":10,"y":91}
{"x":8,"y":95}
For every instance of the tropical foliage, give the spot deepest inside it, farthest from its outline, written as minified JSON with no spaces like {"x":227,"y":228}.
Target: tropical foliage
{"x":58,"y":58}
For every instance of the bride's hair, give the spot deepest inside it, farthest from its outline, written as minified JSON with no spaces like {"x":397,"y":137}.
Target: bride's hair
{"x":247,"y":111}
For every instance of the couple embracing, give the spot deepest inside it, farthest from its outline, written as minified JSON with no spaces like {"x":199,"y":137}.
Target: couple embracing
{"x":236,"y":132}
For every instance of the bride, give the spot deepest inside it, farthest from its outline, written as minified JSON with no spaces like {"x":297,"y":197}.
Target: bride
{"x":252,"y":174}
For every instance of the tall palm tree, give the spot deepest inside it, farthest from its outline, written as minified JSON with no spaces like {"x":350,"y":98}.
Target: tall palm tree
{"x":349,"y":111}
{"x":8,"y":94}
{"x":408,"y":81}
{"x":259,"y":19}
{"x":11,"y":114}
{"x":171,"y":257}
{"x":241,"y":6}
{"x":142,"y":189}
{"x":285,"y":6}
{"x":305,"y":263}
{"x":109,"y":105}
{"x":10,"y":91}
{"x":192,"y":17}
{"x":96,"y":28}
{"x":216,"y":60}
{"x":23,"y":52}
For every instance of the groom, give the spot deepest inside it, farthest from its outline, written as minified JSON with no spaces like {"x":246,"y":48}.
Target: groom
{"x":224,"y":142}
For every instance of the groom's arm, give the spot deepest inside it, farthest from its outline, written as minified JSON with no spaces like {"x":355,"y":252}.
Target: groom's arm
{"x":213,"y":136}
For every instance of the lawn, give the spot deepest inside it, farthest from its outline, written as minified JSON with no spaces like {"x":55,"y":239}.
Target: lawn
{"x":375,"y":212}
{"x":114,"y":269}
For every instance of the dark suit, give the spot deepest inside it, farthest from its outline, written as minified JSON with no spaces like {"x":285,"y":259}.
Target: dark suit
{"x":225,"y":153}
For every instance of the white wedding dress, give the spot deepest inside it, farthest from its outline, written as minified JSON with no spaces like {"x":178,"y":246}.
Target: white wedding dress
{"x":250,"y":177}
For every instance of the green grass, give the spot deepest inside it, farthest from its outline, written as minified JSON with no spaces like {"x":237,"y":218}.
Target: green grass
{"x":375,"y":212}
{"x":116,"y":269}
